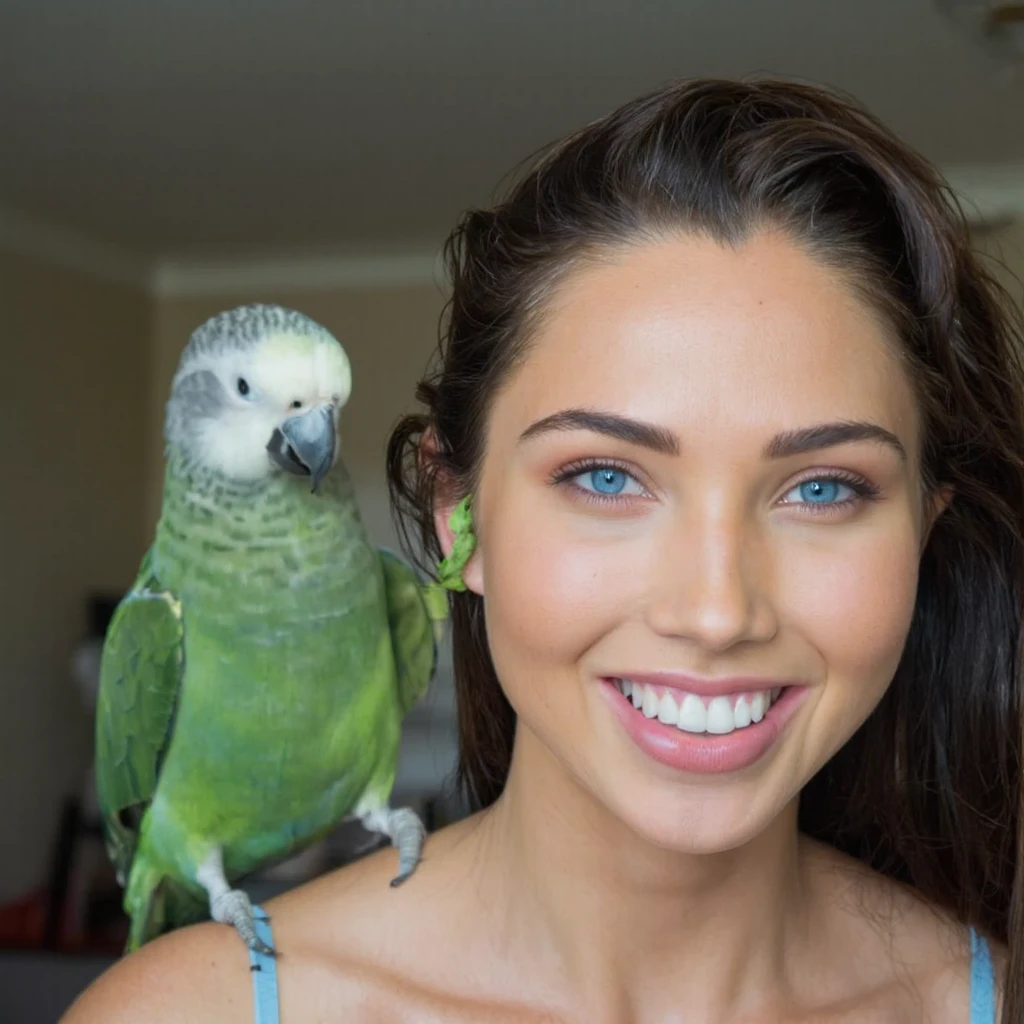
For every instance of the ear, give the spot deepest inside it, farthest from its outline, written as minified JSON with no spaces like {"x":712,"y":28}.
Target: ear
{"x":935,"y":506}
{"x":446,"y":500}
{"x":473,"y":573}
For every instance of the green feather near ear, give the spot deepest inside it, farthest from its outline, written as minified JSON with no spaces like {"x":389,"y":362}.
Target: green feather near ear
{"x":449,"y":570}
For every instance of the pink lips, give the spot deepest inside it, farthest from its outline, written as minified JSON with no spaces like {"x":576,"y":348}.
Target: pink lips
{"x":704,"y":753}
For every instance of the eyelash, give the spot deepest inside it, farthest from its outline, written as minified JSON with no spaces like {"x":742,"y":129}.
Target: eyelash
{"x":567,"y":474}
{"x":862,"y":489}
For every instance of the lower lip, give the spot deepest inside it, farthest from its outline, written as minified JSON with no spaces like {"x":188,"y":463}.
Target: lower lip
{"x":704,"y":753}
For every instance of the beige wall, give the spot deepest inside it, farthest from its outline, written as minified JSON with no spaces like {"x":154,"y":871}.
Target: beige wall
{"x":72,"y":397}
{"x":389,"y":334}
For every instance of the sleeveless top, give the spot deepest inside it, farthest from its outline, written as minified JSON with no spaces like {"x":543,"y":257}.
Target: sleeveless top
{"x":264,"y":978}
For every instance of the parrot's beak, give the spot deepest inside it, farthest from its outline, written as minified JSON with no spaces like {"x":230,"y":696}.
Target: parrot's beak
{"x":305,"y":444}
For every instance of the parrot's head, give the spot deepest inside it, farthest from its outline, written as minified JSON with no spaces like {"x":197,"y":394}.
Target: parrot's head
{"x":257,"y":393}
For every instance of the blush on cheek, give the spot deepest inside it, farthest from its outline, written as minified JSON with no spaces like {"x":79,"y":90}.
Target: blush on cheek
{"x":858,"y":614}
{"x":549,"y":597}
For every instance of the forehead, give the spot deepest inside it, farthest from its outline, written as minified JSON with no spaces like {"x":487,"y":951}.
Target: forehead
{"x":705,"y":338}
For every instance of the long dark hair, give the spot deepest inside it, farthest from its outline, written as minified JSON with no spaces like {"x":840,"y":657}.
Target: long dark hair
{"x":929,"y":790}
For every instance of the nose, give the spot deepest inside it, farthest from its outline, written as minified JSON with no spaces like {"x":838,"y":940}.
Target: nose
{"x":712,"y":583}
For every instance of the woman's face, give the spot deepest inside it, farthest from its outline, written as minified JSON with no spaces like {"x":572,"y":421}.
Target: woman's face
{"x":700,"y":495}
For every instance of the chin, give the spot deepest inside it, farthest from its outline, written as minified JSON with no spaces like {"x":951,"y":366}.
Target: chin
{"x":692,"y":818}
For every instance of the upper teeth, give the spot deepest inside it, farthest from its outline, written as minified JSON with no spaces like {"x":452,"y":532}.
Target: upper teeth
{"x":691,"y":713}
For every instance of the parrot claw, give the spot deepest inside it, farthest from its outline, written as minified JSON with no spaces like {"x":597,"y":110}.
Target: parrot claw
{"x":234,"y":907}
{"x":407,"y":833}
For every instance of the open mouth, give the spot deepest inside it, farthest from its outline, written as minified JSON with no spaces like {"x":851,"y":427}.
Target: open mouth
{"x":701,"y":733}
{"x":693,"y":713}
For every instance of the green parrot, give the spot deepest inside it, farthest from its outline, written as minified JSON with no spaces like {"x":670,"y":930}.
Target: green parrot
{"x":254,"y":679}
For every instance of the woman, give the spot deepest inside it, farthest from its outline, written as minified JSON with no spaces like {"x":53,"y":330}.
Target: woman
{"x":740,"y":416}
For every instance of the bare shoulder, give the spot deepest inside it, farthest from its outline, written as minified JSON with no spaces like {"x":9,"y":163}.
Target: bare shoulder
{"x":904,"y":950}
{"x":331,"y":935}
{"x":417,"y":951}
{"x":355,"y":914}
{"x":197,"y":974}
{"x":348,"y":939}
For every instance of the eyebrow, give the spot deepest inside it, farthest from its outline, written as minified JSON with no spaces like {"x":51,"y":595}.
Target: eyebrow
{"x":658,"y":439}
{"x":622,"y":428}
{"x":827,"y":435}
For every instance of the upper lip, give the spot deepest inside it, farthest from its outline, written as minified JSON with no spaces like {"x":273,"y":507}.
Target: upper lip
{"x":704,"y":687}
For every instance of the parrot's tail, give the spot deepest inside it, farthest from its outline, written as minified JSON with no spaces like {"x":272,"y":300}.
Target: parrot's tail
{"x":144,"y":903}
{"x":157,"y":904}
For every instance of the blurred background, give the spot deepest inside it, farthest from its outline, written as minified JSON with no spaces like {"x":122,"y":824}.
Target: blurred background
{"x":162,"y":161}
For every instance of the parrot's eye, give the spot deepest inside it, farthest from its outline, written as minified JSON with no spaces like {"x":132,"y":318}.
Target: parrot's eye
{"x":297,"y":404}
{"x":243,"y":386}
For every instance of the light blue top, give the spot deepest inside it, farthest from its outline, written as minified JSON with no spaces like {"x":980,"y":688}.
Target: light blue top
{"x":264,"y":978}
{"x":983,"y":982}
{"x":264,"y":972}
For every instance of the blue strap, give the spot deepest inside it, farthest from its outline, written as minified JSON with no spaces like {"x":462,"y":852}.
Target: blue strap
{"x":264,"y":973}
{"x":983,"y":982}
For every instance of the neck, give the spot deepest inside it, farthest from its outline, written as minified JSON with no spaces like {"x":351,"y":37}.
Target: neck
{"x":637,"y":929}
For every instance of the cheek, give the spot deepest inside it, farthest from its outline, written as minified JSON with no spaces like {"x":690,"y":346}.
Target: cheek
{"x":548,"y":599}
{"x":238,"y":447}
{"x":855,"y":606}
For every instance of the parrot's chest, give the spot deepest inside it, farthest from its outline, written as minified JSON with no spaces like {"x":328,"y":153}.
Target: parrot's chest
{"x":288,"y":672}
{"x":292,"y":671}
{"x":282,"y":732}
{"x":285,"y":690}
{"x":276,"y":739}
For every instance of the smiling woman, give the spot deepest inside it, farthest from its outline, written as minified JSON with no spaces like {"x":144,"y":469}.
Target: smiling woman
{"x":741,"y":414}
{"x":742,"y":418}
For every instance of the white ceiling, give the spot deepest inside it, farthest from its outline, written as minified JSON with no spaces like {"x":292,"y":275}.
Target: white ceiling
{"x":221,"y":125}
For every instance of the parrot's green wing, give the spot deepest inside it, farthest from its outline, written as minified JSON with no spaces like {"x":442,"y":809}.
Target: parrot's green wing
{"x":414,"y":616}
{"x":140,"y":676}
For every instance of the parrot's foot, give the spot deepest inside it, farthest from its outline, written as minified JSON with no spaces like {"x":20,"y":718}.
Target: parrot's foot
{"x":235,"y":908}
{"x":405,"y":830}
{"x":230,"y":906}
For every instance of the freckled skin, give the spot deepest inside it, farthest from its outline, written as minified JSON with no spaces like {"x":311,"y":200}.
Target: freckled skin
{"x":709,"y":574}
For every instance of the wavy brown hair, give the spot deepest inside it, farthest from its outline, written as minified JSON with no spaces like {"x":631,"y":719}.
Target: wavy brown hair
{"x":929,"y":790}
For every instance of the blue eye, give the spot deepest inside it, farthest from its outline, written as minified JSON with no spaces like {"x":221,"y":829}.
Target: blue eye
{"x":823,"y":491}
{"x":606,"y":481}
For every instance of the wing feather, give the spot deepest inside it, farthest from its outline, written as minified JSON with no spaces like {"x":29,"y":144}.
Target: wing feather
{"x":140,"y":677}
{"x":413,"y":629}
